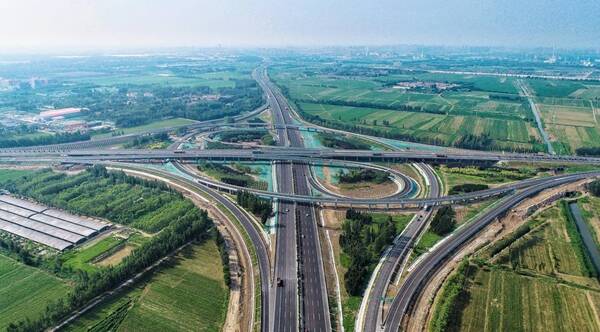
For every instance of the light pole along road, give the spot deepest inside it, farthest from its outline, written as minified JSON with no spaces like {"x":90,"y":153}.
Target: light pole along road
{"x":297,"y":234}
{"x":417,"y":279}
{"x":396,"y":255}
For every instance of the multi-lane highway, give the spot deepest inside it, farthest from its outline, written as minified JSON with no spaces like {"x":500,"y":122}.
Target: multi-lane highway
{"x":294,"y":296}
{"x":419,"y":275}
{"x":313,"y":306}
{"x":396,"y":255}
{"x":294,"y":154}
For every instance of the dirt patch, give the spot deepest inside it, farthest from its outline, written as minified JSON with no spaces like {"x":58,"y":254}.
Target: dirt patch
{"x":116,"y":257}
{"x":360,"y":189}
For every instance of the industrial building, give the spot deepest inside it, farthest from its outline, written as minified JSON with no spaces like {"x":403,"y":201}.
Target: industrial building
{"x":50,"y":227}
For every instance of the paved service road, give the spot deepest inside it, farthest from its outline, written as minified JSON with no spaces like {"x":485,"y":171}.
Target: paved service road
{"x":418,"y":277}
{"x":397,"y":255}
{"x":260,"y":247}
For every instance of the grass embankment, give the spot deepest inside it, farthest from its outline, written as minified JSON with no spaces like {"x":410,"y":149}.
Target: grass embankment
{"x":455,"y":177}
{"x":236,"y":174}
{"x":25,"y":291}
{"x":188,"y":293}
{"x":531,"y":279}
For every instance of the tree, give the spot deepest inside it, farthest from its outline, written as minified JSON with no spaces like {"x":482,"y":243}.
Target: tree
{"x":444,"y":221}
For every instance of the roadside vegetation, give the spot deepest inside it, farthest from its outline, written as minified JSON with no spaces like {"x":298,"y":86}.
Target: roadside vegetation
{"x":363,"y":240}
{"x":535,"y":277}
{"x":187,"y":293}
{"x":147,"y":205}
{"x":155,"y":141}
{"x":336,"y":141}
{"x":362,"y":175}
{"x":260,"y":207}
{"x":350,"y":302}
{"x":236,"y":136}
{"x":232,"y":175}
{"x":28,"y":140}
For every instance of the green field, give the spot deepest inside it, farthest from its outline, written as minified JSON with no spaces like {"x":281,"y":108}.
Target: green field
{"x":453,"y":176}
{"x":213,"y":80}
{"x":81,"y":258}
{"x":477,"y":105}
{"x":547,"y":249}
{"x":505,"y":301}
{"x":530,"y":280}
{"x":151,"y":126}
{"x":187,"y":294}
{"x":428,"y":127}
{"x":25,"y":291}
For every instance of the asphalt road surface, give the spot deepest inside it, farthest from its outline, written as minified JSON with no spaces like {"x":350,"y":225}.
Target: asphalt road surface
{"x":396,"y":256}
{"x":314,"y":311}
{"x":418,"y":277}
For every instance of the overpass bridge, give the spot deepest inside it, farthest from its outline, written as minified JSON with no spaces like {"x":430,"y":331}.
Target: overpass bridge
{"x":289,"y":153}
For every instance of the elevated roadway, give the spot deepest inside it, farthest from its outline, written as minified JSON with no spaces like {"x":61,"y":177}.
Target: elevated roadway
{"x":293,"y":154}
{"x":313,"y":304}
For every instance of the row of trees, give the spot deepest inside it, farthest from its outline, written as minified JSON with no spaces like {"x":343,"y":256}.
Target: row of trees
{"x":144,"y":140}
{"x":397,"y":107}
{"x":363,"y":241}
{"x":261,"y":207}
{"x":235,"y":136}
{"x":43,"y":140}
{"x":594,"y":187}
{"x":467,"y":188}
{"x":222,"y":245}
{"x":16,"y":250}
{"x":341,"y":142}
{"x":588,"y":151}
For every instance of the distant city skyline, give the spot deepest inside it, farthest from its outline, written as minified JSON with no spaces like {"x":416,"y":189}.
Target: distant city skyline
{"x":121,"y":24}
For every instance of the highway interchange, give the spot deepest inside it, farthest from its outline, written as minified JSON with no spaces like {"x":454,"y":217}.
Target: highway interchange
{"x":293,"y":293}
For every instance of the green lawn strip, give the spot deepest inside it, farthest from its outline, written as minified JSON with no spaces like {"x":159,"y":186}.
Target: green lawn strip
{"x":426,"y":242}
{"x":587,"y":268}
{"x":224,"y":173}
{"x":350,"y":307}
{"x":150,"y":126}
{"x":80,"y":258}
{"x":25,"y":291}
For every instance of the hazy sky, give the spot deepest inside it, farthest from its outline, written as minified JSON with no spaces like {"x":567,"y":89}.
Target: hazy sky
{"x":57,"y":24}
